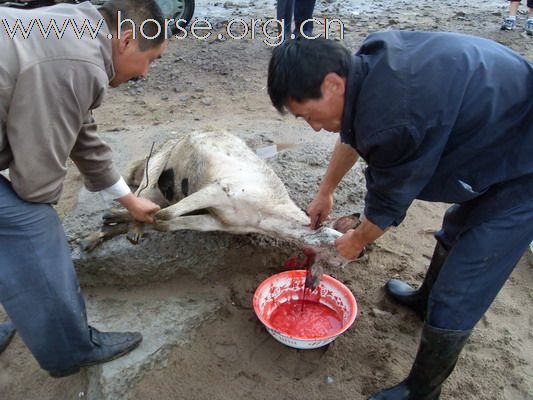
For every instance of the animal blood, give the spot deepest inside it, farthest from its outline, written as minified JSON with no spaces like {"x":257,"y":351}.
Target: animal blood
{"x":303,"y":298}
{"x":316,"y":319}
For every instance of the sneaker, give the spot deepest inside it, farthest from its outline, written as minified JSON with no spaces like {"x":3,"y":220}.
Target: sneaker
{"x":109,"y":346}
{"x":508,"y":24}
{"x":529,"y":27}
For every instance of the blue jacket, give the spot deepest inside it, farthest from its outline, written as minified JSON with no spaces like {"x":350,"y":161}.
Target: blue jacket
{"x":438,"y":117}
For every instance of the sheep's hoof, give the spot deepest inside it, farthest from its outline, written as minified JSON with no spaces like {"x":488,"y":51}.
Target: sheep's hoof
{"x":107,"y":232}
{"x":135,"y":234}
{"x":91,"y":242}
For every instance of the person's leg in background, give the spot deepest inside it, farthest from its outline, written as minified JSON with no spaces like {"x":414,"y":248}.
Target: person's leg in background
{"x":529,"y":22}
{"x":477,"y":265}
{"x":509,"y":23}
{"x":303,"y":10}
{"x":39,"y":288}
{"x":284,"y":12}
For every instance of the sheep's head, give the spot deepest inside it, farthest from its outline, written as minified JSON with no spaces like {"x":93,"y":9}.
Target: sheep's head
{"x":323,"y":240}
{"x":308,"y":262}
{"x":320,"y":250}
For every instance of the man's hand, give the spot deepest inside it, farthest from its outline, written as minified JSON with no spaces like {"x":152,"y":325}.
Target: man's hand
{"x":350,"y":245}
{"x":140,"y":208}
{"x":319,"y":209}
{"x":342,"y":159}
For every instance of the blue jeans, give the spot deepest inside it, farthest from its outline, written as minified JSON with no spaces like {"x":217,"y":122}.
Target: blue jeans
{"x":486,"y":238}
{"x":302,"y":10}
{"x":38,"y":284}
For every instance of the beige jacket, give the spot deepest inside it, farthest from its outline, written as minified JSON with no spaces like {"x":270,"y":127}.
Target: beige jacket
{"x":48,"y":89}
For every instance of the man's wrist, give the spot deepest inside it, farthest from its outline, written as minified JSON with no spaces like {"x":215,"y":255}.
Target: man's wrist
{"x":358,"y":239}
{"x":116,"y":191}
{"x":367,"y":232}
{"x":127,"y":200}
{"x":326,"y":189}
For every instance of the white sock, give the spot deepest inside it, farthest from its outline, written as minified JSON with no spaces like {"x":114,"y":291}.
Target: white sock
{"x":513,"y":17}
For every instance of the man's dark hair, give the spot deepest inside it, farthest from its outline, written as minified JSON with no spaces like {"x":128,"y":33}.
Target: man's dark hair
{"x":298,"y":67}
{"x":138,"y":11}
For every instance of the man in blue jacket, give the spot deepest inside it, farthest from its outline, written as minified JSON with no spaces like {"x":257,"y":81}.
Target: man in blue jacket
{"x":438,"y":117}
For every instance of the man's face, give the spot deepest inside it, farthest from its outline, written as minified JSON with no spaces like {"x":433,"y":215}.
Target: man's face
{"x":325,"y":112}
{"x":130,"y":62}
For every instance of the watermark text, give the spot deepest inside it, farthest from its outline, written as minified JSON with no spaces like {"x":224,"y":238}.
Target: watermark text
{"x":270,"y":31}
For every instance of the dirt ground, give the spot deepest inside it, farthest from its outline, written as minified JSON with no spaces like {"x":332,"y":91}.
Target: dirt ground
{"x":222,"y":83}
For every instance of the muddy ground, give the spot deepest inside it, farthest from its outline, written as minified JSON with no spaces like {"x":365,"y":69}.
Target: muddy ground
{"x":221,"y":84}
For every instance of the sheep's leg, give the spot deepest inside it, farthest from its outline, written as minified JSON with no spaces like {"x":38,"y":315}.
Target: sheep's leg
{"x":203,"y":223}
{"x":150,"y":177}
{"x":92,"y":241}
{"x":207,"y":197}
{"x":112,"y":218}
{"x":116,"y":216}
{"x":210,"y":196}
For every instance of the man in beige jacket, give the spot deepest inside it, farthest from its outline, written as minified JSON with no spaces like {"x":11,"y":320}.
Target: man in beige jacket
{"x":48,"y":89}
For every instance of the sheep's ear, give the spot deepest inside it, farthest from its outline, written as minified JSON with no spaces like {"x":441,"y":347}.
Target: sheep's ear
{"x":135,"y":174}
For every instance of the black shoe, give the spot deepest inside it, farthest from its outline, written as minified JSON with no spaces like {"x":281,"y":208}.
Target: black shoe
{"x":108,"y":346}
{"x":417,"y":299}
{"x":7,"y":331}
{"x":437,"y":355}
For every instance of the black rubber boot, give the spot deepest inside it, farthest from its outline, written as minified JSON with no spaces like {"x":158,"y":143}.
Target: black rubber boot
{"x":437,"y":355}
{"x":7,"y":331}
{"x":109,"y":346}
{"x":417,"y":299}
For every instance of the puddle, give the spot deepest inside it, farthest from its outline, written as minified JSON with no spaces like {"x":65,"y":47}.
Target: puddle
{"x":286,"y":146}
{"x":273,"y":149}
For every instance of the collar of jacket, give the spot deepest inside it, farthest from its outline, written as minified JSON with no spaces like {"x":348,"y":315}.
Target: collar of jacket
{"x":103,"y":37}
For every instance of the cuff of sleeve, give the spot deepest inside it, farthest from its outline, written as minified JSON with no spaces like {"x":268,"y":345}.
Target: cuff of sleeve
{"x":382,"y":211}
{"x":383,"y":221}
{"x":116,"y":191}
